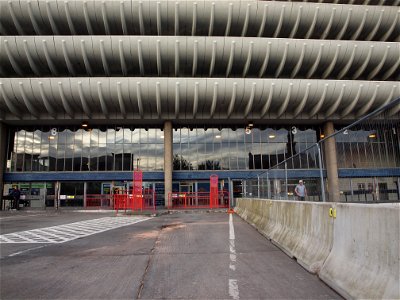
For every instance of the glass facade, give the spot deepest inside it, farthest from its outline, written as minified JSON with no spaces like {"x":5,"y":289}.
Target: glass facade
{"x":117,"y":149}
{"x":369,"y":148}
{"x":199,"y":149}
{"x":228,"y":149}
{"x":122,"y":149}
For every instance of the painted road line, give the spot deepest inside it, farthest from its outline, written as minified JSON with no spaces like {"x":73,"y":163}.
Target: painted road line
{"x":24,"y":251}
{"x":68,"y":232}
{"x":232,"y":283}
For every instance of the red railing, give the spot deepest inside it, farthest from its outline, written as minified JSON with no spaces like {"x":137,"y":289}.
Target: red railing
{"x":137,"y":202}
{"x":184,"y":200}
{"x":98,"y":201}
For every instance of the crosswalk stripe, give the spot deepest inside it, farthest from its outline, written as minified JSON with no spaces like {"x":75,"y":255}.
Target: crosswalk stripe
{"x":68,"y":232}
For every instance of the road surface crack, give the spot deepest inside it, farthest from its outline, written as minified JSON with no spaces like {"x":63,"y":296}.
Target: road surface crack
{"x":151,"y":255}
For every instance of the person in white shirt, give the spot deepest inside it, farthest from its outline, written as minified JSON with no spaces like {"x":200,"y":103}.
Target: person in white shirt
{"x":301,"y":191}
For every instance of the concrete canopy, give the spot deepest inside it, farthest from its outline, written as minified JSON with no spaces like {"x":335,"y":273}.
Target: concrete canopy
{"x":202,"y":18}
{"x":191,"y":99}
{"x":205,"y":62}
{"x":198,"y":57}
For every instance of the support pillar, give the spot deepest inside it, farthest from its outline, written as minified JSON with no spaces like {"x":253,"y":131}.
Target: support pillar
{"x":3,"y":159}
{"x":331,"y":163}
{"x":167,"y":161}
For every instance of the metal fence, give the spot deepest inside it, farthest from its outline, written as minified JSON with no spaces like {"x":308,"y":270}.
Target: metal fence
{"x":366,"y":161}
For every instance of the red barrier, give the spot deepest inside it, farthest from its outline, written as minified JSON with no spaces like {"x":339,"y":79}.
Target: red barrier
{"x":98,"y":201}
{"x":214,"y":191}
{"x":135,"y":202}
{"x":184,"y":200}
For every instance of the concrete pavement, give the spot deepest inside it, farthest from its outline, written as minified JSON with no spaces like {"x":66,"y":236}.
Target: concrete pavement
{"x":180,"y":255}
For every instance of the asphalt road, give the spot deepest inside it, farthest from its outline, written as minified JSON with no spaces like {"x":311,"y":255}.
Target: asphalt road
{"x":175,"y":256}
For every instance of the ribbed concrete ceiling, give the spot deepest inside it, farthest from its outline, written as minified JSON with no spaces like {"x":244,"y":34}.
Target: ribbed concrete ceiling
{"x":216,"y":62}
{"x":359,"y":2}
{"x":65,"y":56}
{"x":191,"y":98}
{"x":202,"y":18}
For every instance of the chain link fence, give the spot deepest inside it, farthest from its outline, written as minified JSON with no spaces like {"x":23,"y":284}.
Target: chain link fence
{"x":356,"y":163}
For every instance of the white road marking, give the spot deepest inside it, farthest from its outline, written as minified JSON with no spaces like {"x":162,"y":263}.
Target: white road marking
{"x":233,"y":283}
{"x":233,"y":289}
{"x":231,"y":229}
{"x":24,"y":251}
{"x":21,"y":216}
{"x":68,"y":232}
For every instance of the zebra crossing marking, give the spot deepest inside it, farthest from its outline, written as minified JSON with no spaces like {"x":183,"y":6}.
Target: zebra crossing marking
{"x":68,"y":232}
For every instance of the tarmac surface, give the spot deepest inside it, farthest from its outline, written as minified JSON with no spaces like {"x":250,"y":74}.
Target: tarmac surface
{"x":181,"y":255}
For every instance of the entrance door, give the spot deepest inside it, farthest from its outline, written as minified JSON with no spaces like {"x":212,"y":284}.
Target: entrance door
{"x":71,"y":194}
{"x":186,"y":187}
{"x":383,"y":191}
{"x":237,"y":188}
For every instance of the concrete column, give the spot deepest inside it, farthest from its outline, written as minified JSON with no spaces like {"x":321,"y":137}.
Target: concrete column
{"x":167,"y":160}
{"x":331,"y":163}
{"x":3,"y":158}
{"x":57,"y":190}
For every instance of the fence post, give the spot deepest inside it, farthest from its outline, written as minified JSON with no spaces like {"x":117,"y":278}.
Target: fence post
{"x":351,"y":189}
{"x":230,"y":185}
{"x":398,"y":188}
{"x":84,"y":194}
{"x":321,"y":174}
{"x":286,"y":182}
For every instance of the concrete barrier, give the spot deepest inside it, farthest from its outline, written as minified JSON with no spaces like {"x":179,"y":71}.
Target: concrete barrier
{"x":303,"y":230}
{"x":356,"y":253}
{"x":364,"y":261}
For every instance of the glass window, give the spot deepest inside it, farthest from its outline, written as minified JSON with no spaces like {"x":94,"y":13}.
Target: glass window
{"x":159,"y":154}
{"x":110,"y":159}
{"x":150,"y":157}
{"x":136,"y":160}
{"x":212,"y":149}
{"x":94,"y":136}
{"x":127,"y":157}
{"x":110,"y":136}
{"x":202,"y":156}
{"x":184,"y":136}
{"x":60,"y":157}
{"x":101,"y":155}
{"x":136,"y":136}
{"x":119,"y":157}
{"x":186,"y":161}
{"x":119,"y":136}
{"x":90,"y":159}
{"x":61,"y":137}
{"x":226,"y":156}
{"x":69,"y":155}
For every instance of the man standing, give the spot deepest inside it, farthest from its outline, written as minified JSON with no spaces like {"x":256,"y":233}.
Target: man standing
{"x":16,"y":195}
{"x":301,"y":190}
